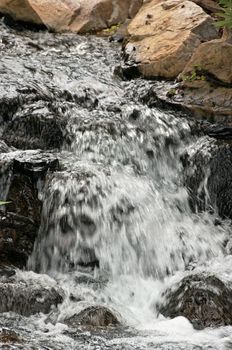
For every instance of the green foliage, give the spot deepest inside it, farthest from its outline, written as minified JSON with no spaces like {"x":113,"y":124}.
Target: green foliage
{"x":172,"y":92}
{"x":111,"y":30}
{"x":3,"y":203}
{"x":226,"y":15}
{"x":193,"y":75}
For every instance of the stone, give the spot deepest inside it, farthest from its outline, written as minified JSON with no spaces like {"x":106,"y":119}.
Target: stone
{"x":95,"y":316}
{"x":212,"y":60}
{"x":204,"y":300}
{"x":71,"y":15}
{"x":164,"y":35}
{"x":205,"y":100}
{"x":26,"y":293}
{"x":17,"y":234}
{"x":19,"y":10}
{"x":207,"y":82}
{"x":36,"y":128}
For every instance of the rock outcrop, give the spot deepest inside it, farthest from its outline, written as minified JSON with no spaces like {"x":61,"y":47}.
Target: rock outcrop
{"x":164,"y":35}
{"x":95,"y":316}
{"x":205,"y":300}
{"x":207,"y":81}
{"x":71,"y":15}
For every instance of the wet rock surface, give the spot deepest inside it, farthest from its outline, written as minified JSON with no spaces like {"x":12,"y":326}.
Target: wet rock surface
{"x":28,"y":294}
{"x":110,"y":184}
{"x":20,"y":218}
{"x":208,"y":177}
{"x":205,"y":300}
{"x":94,"y":316}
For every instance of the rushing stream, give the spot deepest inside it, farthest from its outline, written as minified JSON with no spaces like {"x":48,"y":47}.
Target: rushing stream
{"x":117,"y":229}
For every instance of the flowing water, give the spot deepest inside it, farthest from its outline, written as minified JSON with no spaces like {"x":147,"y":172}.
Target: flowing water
{"x":117,"y":229}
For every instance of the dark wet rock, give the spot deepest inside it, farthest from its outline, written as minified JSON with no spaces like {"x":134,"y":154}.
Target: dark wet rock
{"x":205,"y":300}
{"x":208,"y":177}
{"x":127,"y":71}
{"x":208,"y":100}
{"x":218,"y":131}
{"x":28,"y":294}
{"x":17,"y":235}
{"x":40,"y":92}
{"x":36,"y":128}
{"x":95,"y":316}
{"x":36,"y":169}
{"x":20,"y":219}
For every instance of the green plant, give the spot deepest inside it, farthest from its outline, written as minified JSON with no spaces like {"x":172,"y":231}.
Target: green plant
{"x":3,"y":203}
{"x":226,"y":15}
{"x":193,"y":75}
{"x":172,"y":92}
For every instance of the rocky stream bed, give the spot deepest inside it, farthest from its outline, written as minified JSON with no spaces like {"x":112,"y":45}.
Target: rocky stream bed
{"x":117,"y":234}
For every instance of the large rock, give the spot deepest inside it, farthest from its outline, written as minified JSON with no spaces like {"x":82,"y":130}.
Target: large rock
{"x":36,"y":127}
{"x":205,"y":300}
{"x":211,"y":60}
{"x":207,"y":82}
{"x":164,"y":35}
{"x":71,"y":15}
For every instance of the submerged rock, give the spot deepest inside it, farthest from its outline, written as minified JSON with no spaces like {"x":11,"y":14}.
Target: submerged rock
{"x":164,"y":35}
{"x":95,"y":316}
{"x":71,"y":15}
{"x":27,"y":293}
{"x":205,"y":300}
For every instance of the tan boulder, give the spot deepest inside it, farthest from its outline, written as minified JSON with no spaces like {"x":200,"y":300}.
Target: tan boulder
{"x":164,"y":35}
{"x":71,"y":15}
{"x":19,"y":10}
{"x":214,"y":59}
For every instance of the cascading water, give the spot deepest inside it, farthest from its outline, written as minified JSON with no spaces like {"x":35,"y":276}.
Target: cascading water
{"x":121,"y":202}
{"x":117,"y":212}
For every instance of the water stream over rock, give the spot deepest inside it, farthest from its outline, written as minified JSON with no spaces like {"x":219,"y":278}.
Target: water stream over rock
{"x":118,"y":229}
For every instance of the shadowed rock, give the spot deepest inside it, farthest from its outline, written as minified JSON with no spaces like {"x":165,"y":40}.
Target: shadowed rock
{"x":205,"y":300}
{"x":95,"y":316}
